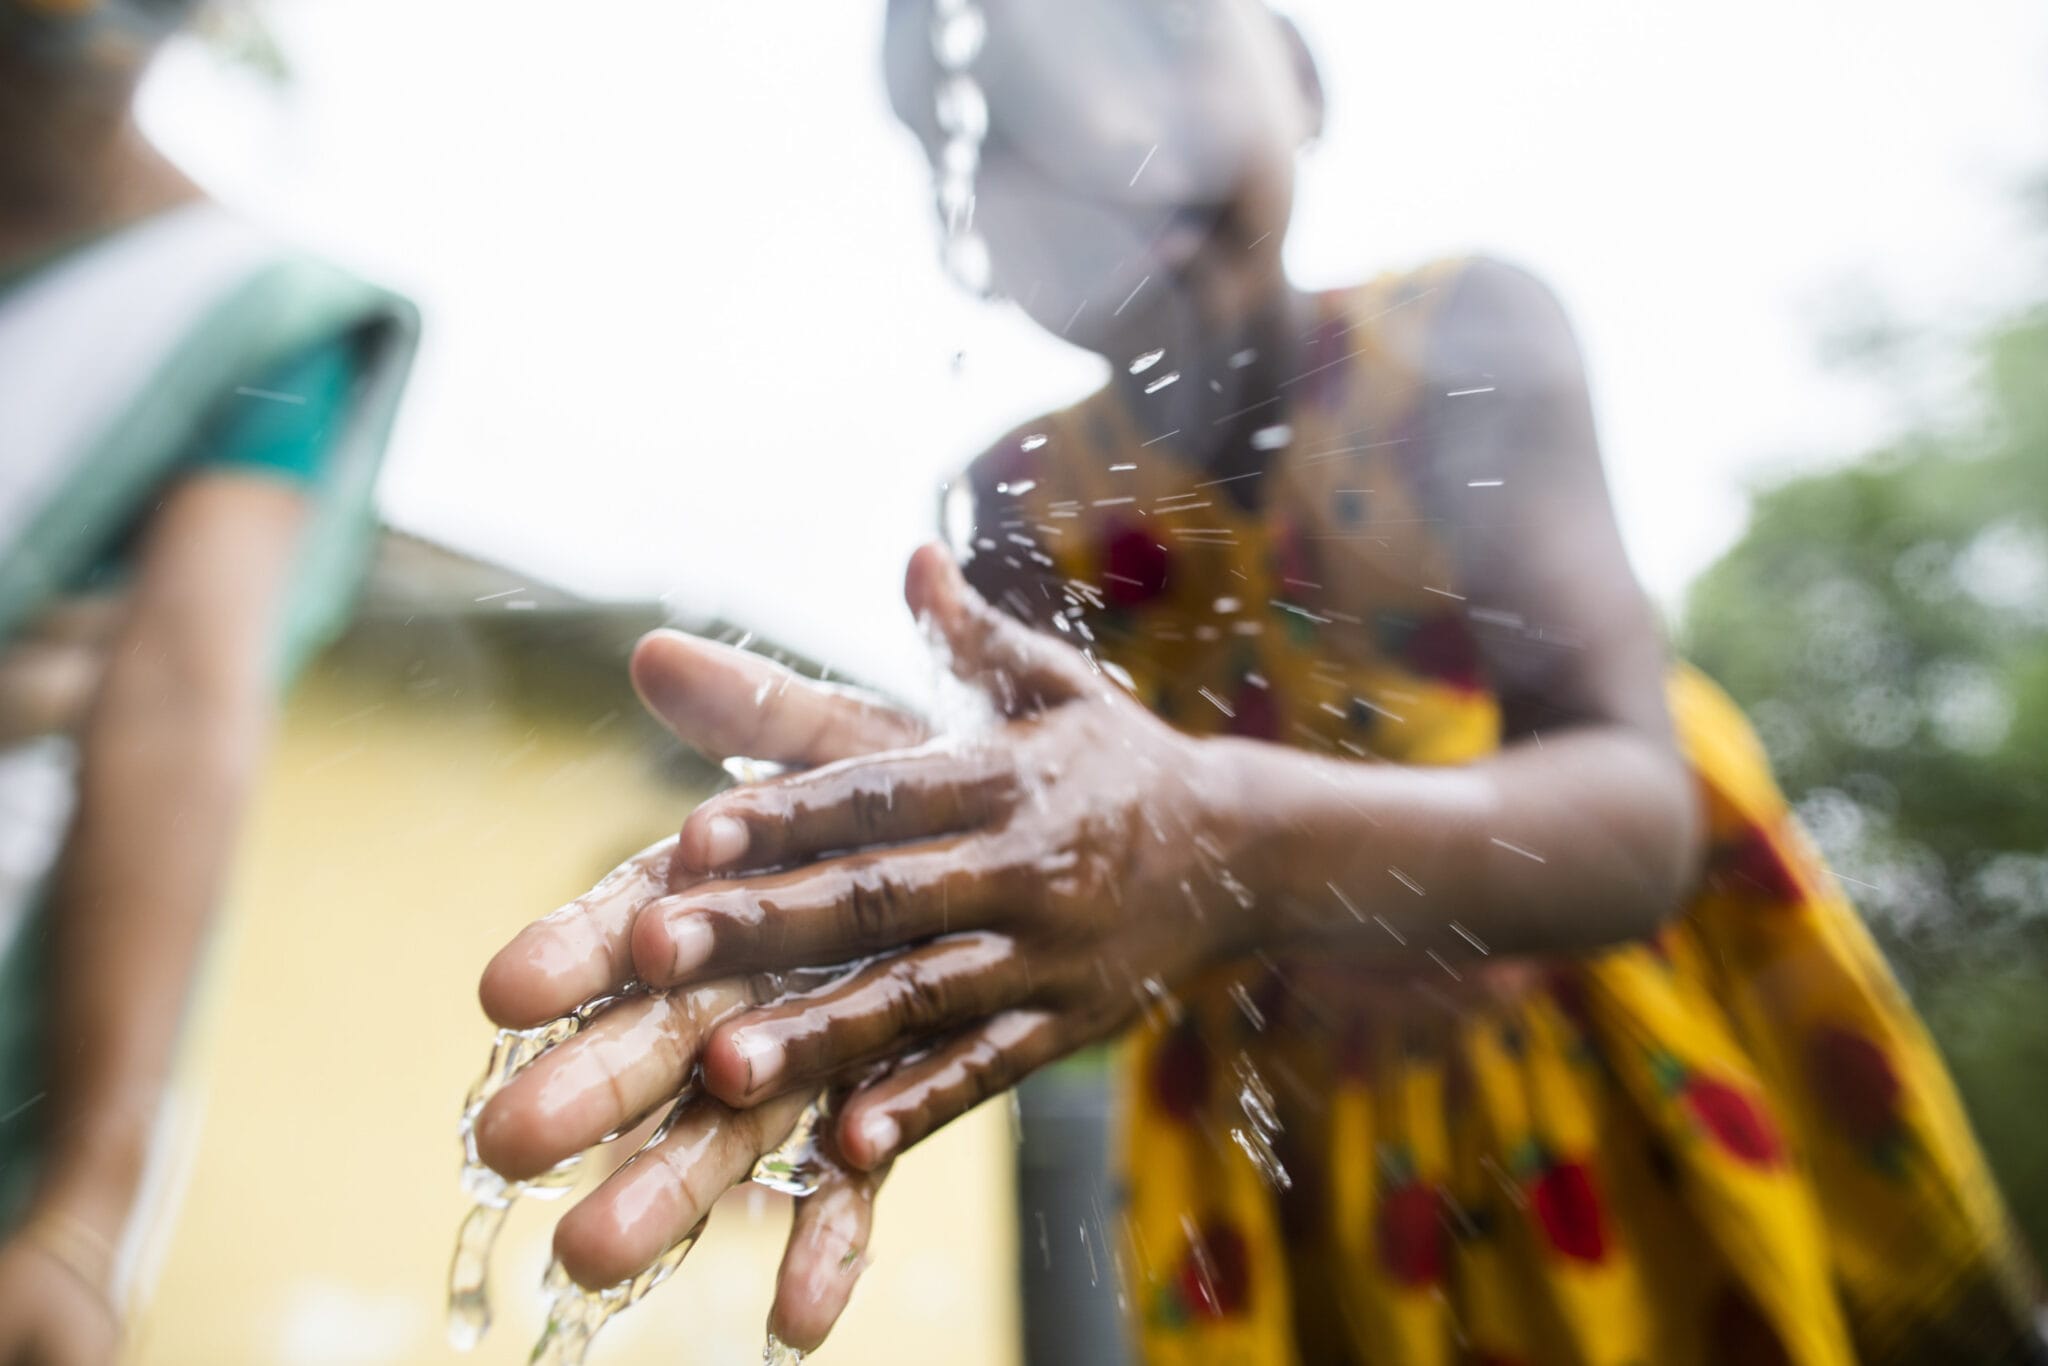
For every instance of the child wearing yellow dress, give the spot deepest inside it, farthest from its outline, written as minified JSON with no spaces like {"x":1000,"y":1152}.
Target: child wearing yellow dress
{"x":1484,"y":1002}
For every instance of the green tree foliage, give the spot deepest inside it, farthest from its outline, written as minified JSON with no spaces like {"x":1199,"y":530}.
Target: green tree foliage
{"x":1886,"y":625}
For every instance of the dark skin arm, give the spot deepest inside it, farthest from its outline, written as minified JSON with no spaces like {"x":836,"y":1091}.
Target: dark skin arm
{"x":1027,"y":884}
{"x":1037,"y":856}
{"x":170,"y":747}
{"x":1582,"y":830}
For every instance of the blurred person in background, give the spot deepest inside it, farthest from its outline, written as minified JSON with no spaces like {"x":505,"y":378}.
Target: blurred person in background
{"x":1486,"y":1002}
{"x":191,"y":415}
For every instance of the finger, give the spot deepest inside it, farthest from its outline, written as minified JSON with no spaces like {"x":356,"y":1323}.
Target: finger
{"x":580,"y":951}
{"x":827,"y":1251}
{"x":726,"y":702}
{"x":904,"y":1107}
{"x":632,"y":1059}
{"x":1021,"y":669}
{"x":646,"y":1206}
{"x":829,"y":912}
{"x":942,"y":787}
{"x":880,"y":1011}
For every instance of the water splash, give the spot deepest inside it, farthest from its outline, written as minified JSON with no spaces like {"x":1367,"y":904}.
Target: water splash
{"x":469,"y":1270}
{"x":575,"y":1314}
{"x":796,"y":1166}
{"x":1261,"y":1130}
{"x":469,"y":1305}
{"x":780,"y":1353}
{"x":958,"y":31}
{"x":743,"y":770}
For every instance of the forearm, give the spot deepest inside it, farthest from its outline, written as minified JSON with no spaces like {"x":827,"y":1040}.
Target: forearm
{"x":1586,"y":840}
{"x":162,"y":785}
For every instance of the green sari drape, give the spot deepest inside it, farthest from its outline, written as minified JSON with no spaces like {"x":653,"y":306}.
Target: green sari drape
{"x":115,"y":359}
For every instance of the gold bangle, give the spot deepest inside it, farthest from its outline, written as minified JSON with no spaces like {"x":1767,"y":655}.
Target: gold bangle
{"x":80,"y":1249}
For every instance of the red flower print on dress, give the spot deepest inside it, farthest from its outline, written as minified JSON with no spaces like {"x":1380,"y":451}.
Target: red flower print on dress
{"x":1411,"y":1227}
{"x":1568,"y":1209}
{"x":1734,"y":1120}
{"x":1441,"y":649}
{"x":1180,"y":1073}
{"x":1216,"y":1277}
{"x":1134,"y":565}
{"x":1856,"y":1083}
{"x":1255,"y":715}
{"x":1754,"y":866}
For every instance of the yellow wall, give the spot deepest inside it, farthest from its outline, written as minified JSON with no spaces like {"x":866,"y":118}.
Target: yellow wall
{"x":402,"y":833}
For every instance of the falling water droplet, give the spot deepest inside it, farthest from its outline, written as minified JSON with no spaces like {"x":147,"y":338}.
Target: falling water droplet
{"x":512,"y":1051}
{"x":962,"y":109}
{"x":1033,"y":441}
{"x":1272,"y":438}
{"x":1239,"y":360}
{"x":957,"y":37}
{"x":1140,"y":364}
{"x":744,"y":770}
{"x":1156,"y":385}
{"x":795,"y":1167}
{"x":469,"y":1303}
{"x":1262,"y":1124}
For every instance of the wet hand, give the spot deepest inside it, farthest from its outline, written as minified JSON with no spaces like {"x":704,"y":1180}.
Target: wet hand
{"x":1019,"y":893}
{"x":640,"y":1054}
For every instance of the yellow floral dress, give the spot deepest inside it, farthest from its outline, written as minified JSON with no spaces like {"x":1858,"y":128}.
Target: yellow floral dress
{"x":1734,"y":1144}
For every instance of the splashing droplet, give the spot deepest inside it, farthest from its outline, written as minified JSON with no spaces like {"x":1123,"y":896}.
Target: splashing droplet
{"x":1140,"y":364}
{"x":743,"y":770}
{"x":1033,"y":441}
{"x":795,"y":1167}
{"x":1156,"y":385}
{"x":957,"y":37}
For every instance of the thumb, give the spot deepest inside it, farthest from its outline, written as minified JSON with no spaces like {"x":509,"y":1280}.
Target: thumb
{"x":726,"y":702}
{"x":1020,"y":669}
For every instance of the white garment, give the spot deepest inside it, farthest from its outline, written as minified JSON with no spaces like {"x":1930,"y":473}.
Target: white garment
{"x":78,"y":341}
{"x":80,"y":338}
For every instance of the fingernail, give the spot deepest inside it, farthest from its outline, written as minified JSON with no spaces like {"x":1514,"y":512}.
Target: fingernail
{"x":689,"y":938}
{"x":763,"y":1057}
{"x":882,"y":1134}
{"x":725,"y":839}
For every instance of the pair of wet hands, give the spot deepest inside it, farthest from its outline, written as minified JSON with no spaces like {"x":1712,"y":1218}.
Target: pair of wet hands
{"x":909,"y":925}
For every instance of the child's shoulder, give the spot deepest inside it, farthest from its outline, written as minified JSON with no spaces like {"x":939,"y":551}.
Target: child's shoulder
{"x":1460,"y":314}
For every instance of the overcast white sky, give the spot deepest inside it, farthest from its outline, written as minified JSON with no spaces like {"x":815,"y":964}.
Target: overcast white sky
{"x":687,"y":335}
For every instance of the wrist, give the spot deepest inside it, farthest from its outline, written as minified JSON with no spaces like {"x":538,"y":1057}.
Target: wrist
{"x":94,"y":1181}
{"x":82,"y":1250}
{"x":1245,"y":830}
